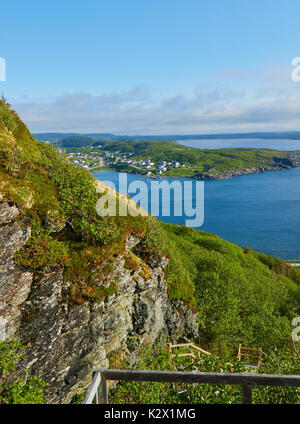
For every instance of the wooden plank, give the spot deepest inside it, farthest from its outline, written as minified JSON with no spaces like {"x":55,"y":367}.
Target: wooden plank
{"x":180,"y":345}
{"x":251,"y":356}
{"x":183,"y":354}
{"x":200,"y":349}
{"x":253,"y":350}
{"x":203,"y":377}
{"x":190,"y":345}
{"x":239,"y":352}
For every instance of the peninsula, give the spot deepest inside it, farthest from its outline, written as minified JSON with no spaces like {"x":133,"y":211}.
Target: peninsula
{"x":171,"y":159}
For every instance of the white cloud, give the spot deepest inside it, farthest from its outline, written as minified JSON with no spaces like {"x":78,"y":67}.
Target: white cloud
{"x":275,"y":106}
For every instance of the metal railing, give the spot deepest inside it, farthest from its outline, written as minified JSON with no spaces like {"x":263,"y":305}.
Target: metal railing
{"x":98,"y":393}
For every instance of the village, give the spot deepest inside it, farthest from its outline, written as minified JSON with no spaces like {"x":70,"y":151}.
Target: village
{"x":95,"y":159}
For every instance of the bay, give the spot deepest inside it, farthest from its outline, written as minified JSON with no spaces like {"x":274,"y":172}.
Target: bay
{"x":259,"y":210}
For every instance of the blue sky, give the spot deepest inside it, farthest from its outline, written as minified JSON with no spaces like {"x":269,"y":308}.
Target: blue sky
{"x":152,"y":67}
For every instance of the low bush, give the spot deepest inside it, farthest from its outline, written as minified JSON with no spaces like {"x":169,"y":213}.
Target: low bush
{"x":26,"y":390}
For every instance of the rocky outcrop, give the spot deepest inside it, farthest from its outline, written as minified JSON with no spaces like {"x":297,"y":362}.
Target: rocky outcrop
{"x":291,"y":161}
{"x":66,"y":342}
{"x":15,"y":284}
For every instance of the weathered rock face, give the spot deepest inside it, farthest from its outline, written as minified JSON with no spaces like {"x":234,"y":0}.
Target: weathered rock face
{"x":277,"y":164}
{"x":66,"y":343}
{"x":15,"y":285}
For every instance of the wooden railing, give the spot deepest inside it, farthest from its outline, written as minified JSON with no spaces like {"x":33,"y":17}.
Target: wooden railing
{"x":255,"y":353}
{"x":192,"y":350}
{"x":98,"y":393}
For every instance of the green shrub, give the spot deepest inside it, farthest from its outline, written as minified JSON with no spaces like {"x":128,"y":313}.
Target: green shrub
{"x":42,"y":251}
{"x":157,"y":358}
{"x":26,"y":390}
{"x":237,"y":297}
{"x":7,"y":116}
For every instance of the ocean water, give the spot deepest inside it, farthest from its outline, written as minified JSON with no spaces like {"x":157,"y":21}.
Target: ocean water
{"x":243,"y":142}
{"x":260,"y":210}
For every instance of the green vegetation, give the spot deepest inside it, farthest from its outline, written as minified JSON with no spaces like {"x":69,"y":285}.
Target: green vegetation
{"x":53,"y":192}
{"x":276,"y":265}
{"x":42,"y":251}
{"x":132,"y":262}
{"x":26,"y":390}
{"x":89,"y":268}
{"x":241,"y":296}
{"x":6,"y":115}
{"x":157,"y":358}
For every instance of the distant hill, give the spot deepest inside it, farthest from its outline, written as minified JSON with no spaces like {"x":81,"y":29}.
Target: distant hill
{"x":102,"y":136}
{"x":77,"y":141}
{"x":54,"y":137}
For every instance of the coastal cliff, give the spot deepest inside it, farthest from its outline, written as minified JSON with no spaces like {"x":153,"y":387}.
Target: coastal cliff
{"x":66,"y":342}
{"x":76,"y":288}
{"x":82,"y":291}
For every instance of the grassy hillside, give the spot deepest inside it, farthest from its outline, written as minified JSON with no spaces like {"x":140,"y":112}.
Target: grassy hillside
{"x":241,"y":296}
{"x":51,"y":192}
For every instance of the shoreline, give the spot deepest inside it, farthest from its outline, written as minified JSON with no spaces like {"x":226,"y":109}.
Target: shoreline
{"x":225,"y":175}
